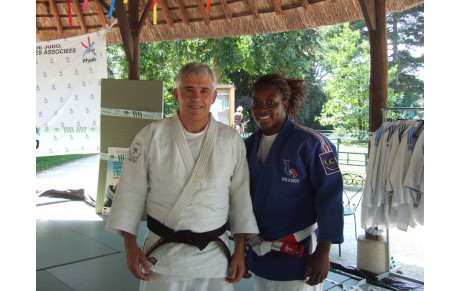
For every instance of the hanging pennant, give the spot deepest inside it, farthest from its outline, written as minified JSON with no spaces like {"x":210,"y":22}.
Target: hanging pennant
{"x":85,"y":5}
{"x":125,"y":1}
{"x":70,"y":13}
{"x":153,"y":4}
{"x":154,"y":8}
{"x":208,"y":5}
{"x":111,"y":9}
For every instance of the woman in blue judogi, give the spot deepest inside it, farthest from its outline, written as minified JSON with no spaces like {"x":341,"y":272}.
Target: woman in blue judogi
{"x":296,"y":189}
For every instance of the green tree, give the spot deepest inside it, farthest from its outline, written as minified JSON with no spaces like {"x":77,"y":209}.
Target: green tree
{"x":117,"y":64}
{"x":406,"y":41}
{"x":237,"y":60}
{"x":345,"y":59}
{"x":292,"y":54}
{"x":405,"y":31}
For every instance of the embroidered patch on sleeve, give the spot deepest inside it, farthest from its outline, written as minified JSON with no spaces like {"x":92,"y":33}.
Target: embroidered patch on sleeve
{"x":134,"y":153}
{"x":330,"y":163}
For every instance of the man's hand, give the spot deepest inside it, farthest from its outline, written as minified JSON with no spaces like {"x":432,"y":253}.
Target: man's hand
{"x":247,"y":275}
{"x":318,"y":264}
{"x":135,"y":257}
{"x":237,"y":266}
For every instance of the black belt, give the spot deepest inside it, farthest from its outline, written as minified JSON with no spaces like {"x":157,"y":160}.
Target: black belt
{"x":198,"y":239}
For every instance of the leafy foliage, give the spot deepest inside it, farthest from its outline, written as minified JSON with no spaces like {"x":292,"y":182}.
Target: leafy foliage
{"x":333,"y":60}
{"x":345,"y":58}
{"x":406,"y":41}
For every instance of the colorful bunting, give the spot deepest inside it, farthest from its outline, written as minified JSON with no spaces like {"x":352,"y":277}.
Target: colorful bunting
{"x":111,"y":9}
{"x":70,"y":13}
{"x":153,"y":4}
{"x":154,"y":8}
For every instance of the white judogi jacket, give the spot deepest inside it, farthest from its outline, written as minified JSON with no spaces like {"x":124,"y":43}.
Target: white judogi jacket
{"x":153,"y":178}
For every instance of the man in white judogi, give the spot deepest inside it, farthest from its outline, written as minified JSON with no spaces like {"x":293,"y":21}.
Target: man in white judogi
{"x":188,"y":172}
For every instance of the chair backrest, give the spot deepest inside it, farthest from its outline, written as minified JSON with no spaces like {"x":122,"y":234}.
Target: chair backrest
{"x":352,"y":190}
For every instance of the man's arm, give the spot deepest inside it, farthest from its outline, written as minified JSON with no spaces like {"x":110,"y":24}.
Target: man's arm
{"x":237,"y":267}
{"x":135,"y":257}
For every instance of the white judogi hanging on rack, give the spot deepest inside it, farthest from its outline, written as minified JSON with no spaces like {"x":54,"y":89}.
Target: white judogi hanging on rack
{"x":401,"y":199}
{"x":369,"y":208}
{"x":415,"y":180}
{"x":389,"y":212}
{"x":386,"y":201}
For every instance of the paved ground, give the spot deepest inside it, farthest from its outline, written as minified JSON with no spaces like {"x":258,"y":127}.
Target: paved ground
{"x":407,"y":248}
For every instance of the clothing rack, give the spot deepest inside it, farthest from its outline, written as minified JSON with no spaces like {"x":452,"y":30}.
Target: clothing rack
{"x":385,"y":110}
{"x":392,"y":272}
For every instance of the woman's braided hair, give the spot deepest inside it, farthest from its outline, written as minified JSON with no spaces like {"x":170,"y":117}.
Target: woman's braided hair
{"x":291,"y":89}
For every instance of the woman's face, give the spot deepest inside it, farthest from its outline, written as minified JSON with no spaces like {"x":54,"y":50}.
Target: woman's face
{"x":268,"y":108}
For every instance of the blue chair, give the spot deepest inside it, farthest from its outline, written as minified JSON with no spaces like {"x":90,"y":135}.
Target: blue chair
{"x":352,"y":195}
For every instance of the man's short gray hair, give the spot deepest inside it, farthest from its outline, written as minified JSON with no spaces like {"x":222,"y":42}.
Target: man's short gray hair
{"x":196,"y":69}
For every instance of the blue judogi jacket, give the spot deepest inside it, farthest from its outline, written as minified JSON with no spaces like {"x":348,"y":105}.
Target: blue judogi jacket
{"x":300,"y":184}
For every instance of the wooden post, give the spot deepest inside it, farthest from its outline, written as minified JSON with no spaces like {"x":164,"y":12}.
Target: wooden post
{"x":130,"y":27}
{"x":375,"y":17}
{"x":378,"y":96}
{"x":378,"y":91}
{"x":134,"y":72}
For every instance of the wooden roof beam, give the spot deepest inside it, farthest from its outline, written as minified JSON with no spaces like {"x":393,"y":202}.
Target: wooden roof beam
{"x":227,"y":11}
{"x":100,"y":13}
{"x":125,"y":30}
{"x":305,"y":4}
{"x":183,"y":12}
{"x":56,"y":16}
{"x":165,"y":11}
{"x":277,"y":7}
{"x":203,"y":12}
{"x":81,"y":19}
{"x":368,"y":8}
{"x":143,"y":17}
{"x":253,"y":8}
{"x":133,"y":16}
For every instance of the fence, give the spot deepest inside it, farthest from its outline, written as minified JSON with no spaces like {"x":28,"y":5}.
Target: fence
{"x":352,"y":149}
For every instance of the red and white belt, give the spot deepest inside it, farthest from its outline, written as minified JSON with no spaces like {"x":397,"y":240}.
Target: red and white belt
{"x":286,"y":244}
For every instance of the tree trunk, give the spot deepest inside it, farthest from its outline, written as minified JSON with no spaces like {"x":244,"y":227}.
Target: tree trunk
{"x":395,"y":43}
{"x":216,"y":70}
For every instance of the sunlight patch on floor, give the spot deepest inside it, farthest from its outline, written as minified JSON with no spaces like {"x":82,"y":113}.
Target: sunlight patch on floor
{"x":67,"y":211}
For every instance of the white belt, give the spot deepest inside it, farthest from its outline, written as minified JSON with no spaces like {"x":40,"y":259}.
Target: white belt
{"x":285,"y":245}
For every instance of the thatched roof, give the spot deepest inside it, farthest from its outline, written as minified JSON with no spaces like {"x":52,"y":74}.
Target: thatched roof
{"x":185,"y":19}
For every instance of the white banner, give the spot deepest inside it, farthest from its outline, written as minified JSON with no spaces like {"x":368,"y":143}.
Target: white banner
{"x":68,"y":80}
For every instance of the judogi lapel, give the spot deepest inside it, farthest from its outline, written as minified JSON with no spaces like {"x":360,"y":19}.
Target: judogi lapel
{"x":263,"y":174}
{"x":197,"y":170}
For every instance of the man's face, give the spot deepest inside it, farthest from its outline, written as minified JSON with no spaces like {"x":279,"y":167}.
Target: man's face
{"x":195,"y":96}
